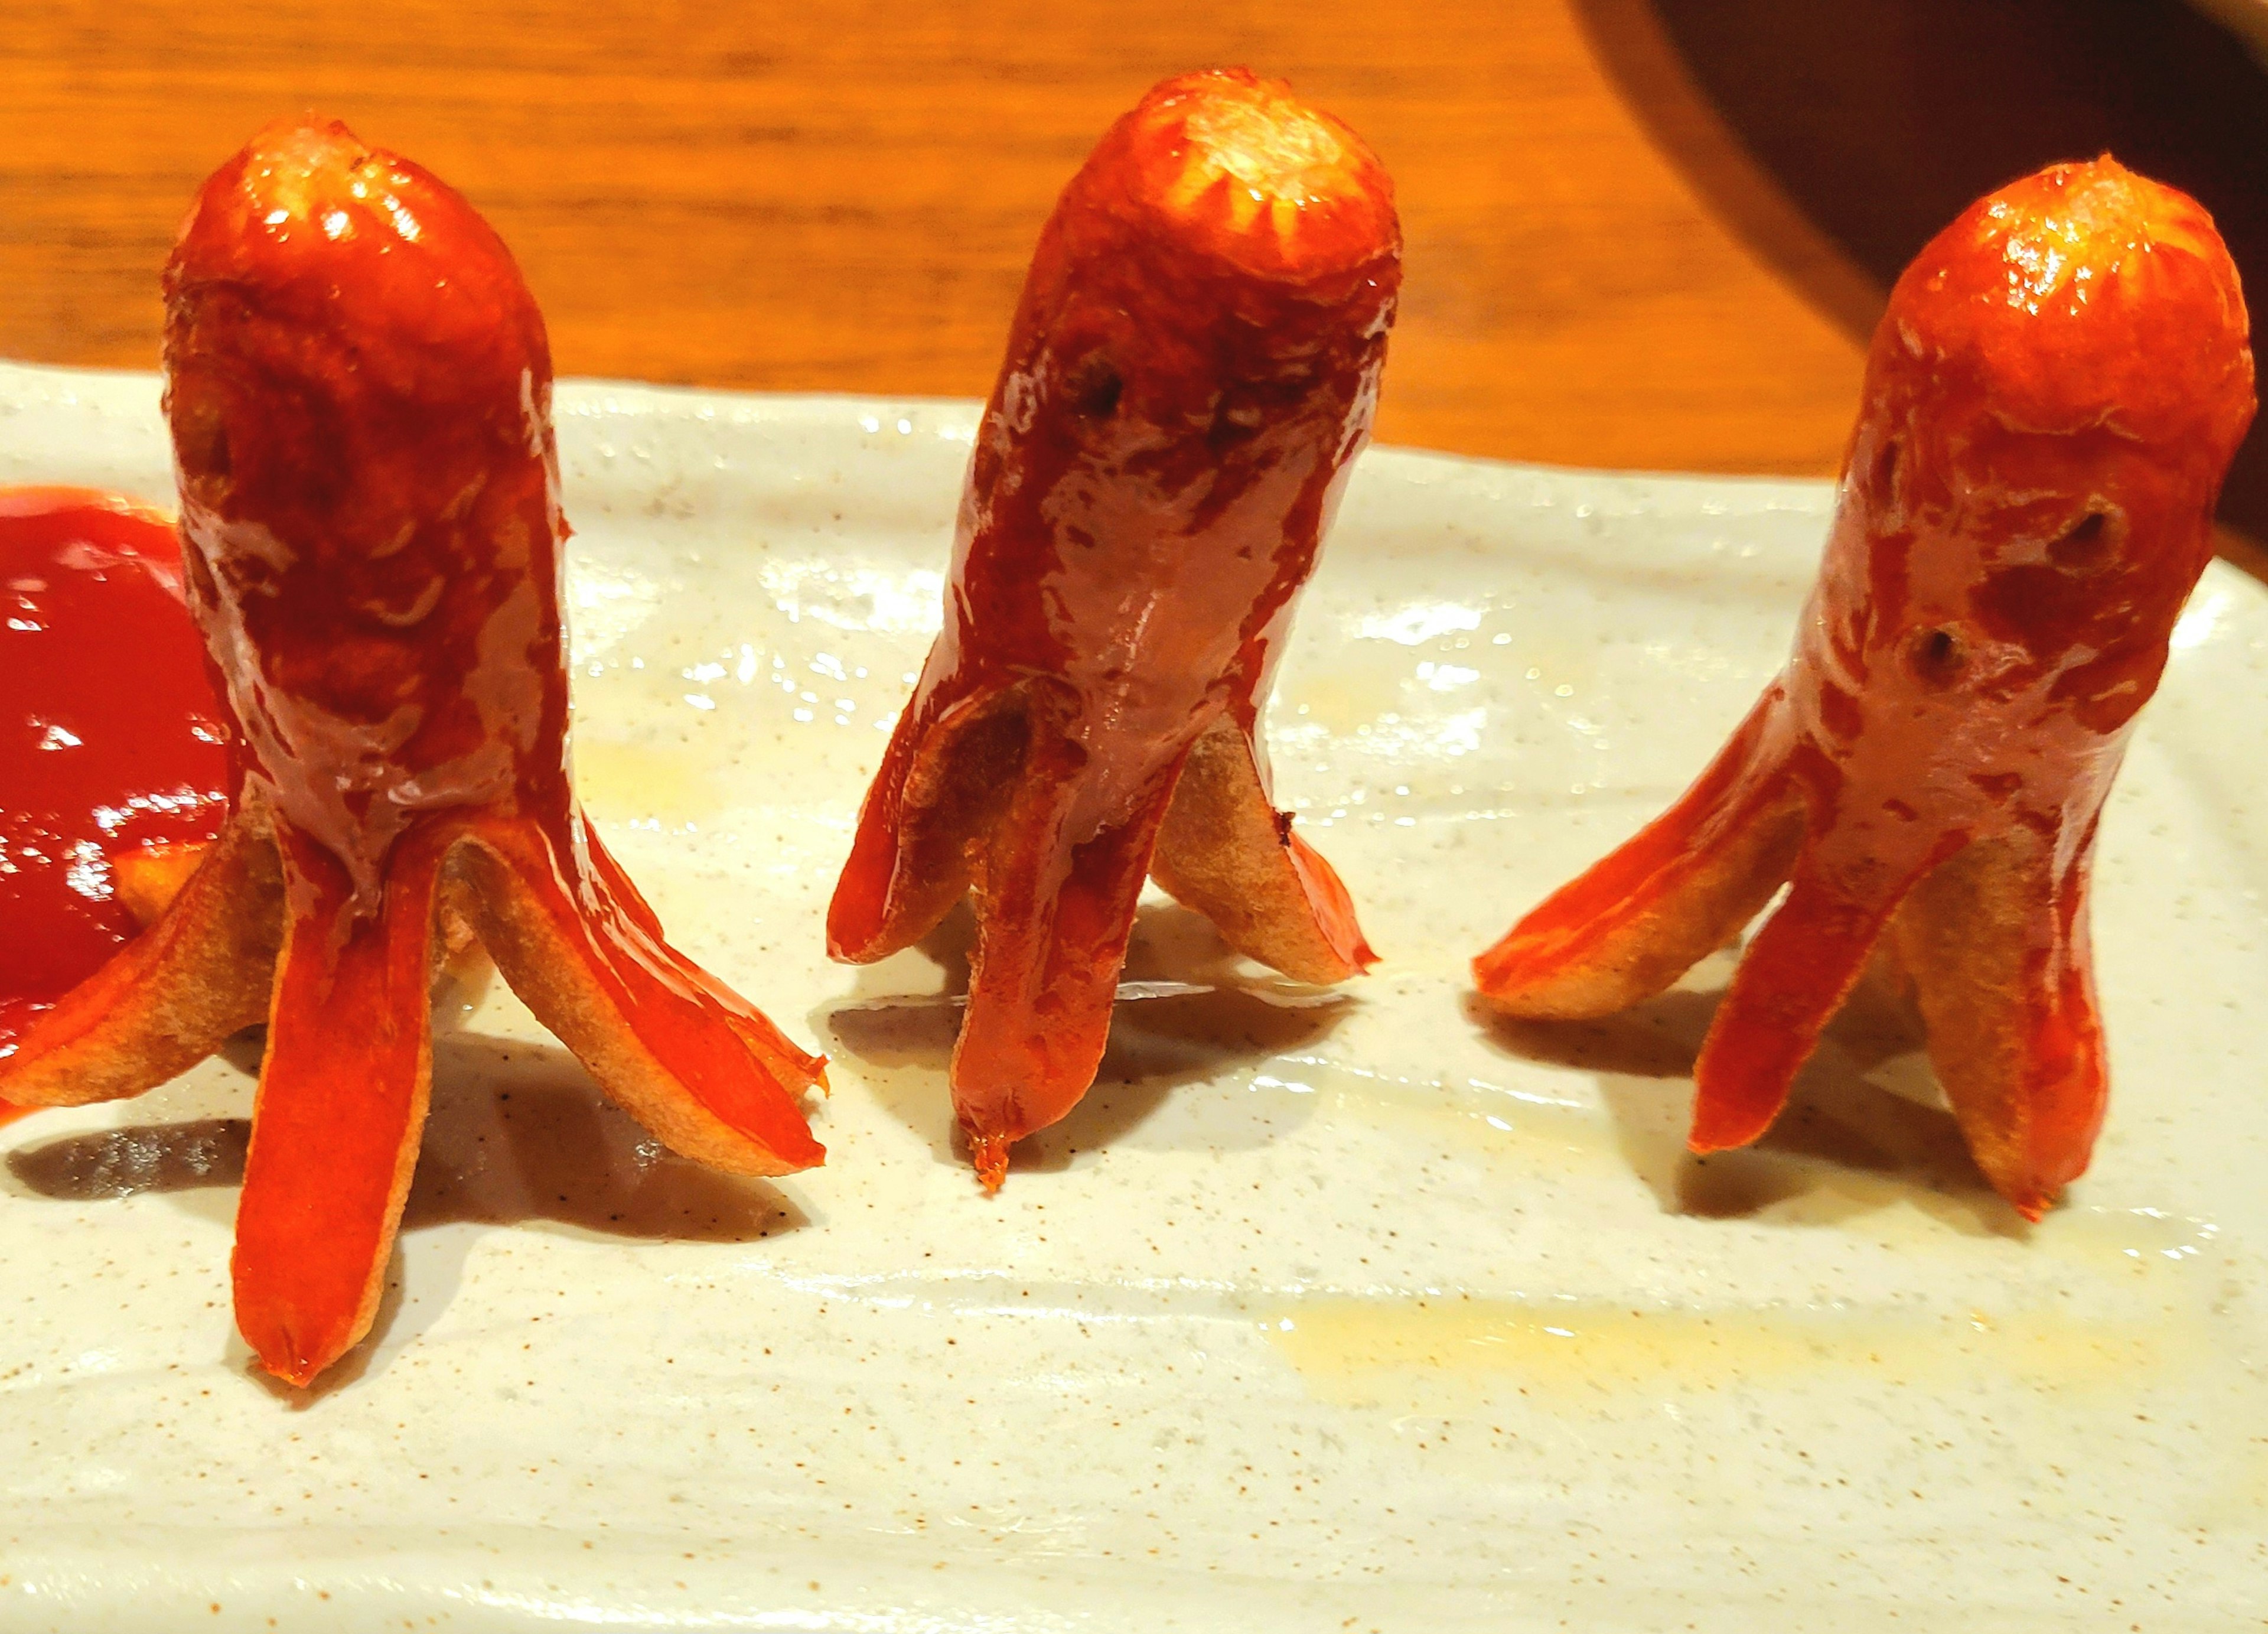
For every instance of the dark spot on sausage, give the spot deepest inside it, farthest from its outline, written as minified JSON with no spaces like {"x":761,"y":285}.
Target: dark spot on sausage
{"x":1840,"y":713}
{"x":1886,"y":472}
{"x":2039,"y":823}
{"x":1093,"y":386}
{"x":2087,"y":542}
{"x":1936,"y":657}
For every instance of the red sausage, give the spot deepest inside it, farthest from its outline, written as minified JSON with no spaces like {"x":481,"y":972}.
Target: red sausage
{"x":1191,"y":370}
{"x":2051,"y":401}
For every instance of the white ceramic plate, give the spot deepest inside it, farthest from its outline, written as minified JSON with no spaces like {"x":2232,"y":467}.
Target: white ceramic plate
{"x":1322,"y":1313}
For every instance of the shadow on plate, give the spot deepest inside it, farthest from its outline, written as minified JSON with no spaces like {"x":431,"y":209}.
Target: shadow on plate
{"x":517,"y":1133}
{"x":1845,"y":1146}
{"x":1189,"y":1011}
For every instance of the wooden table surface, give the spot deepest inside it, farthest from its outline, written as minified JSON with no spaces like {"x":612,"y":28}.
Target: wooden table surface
{"x":840,"y":194}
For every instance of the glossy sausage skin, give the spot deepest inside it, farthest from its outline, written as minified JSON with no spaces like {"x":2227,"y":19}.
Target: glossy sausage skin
{"x":1191,"y":368}
{"x":359,"y":387}
{"x":2051,"y":400}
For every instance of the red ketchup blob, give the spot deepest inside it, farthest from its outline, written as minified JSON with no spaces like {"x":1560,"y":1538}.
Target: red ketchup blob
{"x":111,"y":737}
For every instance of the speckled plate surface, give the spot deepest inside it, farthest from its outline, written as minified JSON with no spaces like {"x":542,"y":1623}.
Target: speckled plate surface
{"x":1324,"y":1311}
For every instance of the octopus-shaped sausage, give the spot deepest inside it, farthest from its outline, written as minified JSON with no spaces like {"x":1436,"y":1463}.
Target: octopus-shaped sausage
{"x":359,"y":387}
{"x":2051,"y":402}
{"x":1191,"y":368}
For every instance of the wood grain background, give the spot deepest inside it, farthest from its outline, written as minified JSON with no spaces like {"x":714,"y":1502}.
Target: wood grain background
{"x":840,"y":194}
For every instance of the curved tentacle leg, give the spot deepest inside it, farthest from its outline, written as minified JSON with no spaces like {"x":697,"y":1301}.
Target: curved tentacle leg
{"x":340,"y":1107}
{"x":1226,"y":852}
{"x":1995,"y":941}
{"x":1793,"y":978}
{"x":944,"y":783}
{"x":148,"y":877}
{"x":1677,"y":891}
{"x":171,"y":997}
{"x":792,"y":1068}
{"x":1055,"y":908}
{"x":695,"y":1064}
